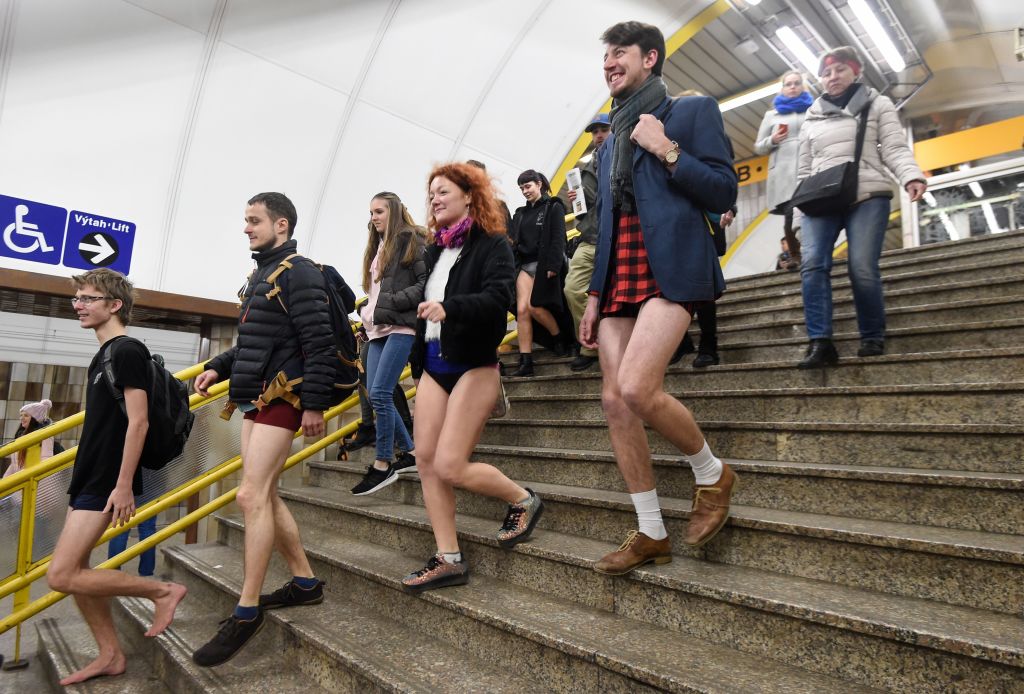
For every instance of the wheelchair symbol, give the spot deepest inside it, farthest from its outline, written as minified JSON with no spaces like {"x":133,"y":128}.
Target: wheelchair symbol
{"x":23,"y":228}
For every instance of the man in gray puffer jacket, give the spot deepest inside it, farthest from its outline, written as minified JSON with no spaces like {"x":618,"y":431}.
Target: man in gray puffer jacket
{"x":828,"y":138}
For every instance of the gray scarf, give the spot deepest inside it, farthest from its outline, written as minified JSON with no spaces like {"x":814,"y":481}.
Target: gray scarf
{"x":625,"y":114}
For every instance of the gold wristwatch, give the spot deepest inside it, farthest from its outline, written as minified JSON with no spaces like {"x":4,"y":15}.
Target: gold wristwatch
{"x":671,"y":156}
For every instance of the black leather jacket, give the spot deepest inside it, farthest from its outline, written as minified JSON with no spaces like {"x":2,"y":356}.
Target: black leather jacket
{"x":476,"y":299}
{"x":296,"y":342}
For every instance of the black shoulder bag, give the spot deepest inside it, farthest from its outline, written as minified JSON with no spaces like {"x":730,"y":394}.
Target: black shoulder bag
{"x":833,"y":190}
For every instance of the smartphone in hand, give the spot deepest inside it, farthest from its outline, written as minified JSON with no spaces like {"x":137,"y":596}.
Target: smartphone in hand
{"x":783,"y":128}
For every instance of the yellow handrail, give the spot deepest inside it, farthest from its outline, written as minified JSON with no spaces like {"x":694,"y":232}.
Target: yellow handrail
{"x":26,"y":574}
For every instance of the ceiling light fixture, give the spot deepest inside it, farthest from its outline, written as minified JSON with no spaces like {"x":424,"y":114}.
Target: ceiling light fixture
{"x":755,"y":94}
{"x":930,"y":199}
{"x":798,"y":48}
{"x":976,"y":189}
{"x":873,"y":27}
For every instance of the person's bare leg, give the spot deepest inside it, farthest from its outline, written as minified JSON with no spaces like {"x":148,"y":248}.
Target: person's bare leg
{"x":264,"y":451}
{"x":69,"y":572}
{"x":641,"y":375}
{"x":524,"y":318}
{"x":469,"y":406}
{"x":625,"y":428}
{"x":438,"y":495}
{"x":287,"y":539}
{"x":544,"y":317}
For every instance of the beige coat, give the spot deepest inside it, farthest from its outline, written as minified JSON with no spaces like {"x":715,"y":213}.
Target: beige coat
{"x":829,"y":137}
{"x":782,"y":158}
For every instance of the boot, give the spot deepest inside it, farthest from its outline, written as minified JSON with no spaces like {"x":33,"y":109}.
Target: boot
{"x":525,"y":366}
{"x":820,"y":353}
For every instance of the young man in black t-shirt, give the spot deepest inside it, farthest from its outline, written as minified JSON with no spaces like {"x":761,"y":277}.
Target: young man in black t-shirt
{"x":106,"y":476}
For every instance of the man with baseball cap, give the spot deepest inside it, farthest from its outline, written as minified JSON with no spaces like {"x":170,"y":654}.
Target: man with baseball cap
{"x":581,"y":267}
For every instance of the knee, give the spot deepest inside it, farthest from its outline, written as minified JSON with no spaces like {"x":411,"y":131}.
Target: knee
{"x":60,"y":578}
{"x":250,"y":499}
{"x":449,"y":471}
{"x":863,"y":270}
{"x":613,"y":405}
{"x":636,"y":396}
{"x":381,"y":397}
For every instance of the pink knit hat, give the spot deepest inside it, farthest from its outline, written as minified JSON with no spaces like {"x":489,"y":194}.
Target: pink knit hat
{"x":39,"y":411}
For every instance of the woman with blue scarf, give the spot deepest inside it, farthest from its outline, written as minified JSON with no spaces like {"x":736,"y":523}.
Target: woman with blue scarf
{"x":779,"y":138}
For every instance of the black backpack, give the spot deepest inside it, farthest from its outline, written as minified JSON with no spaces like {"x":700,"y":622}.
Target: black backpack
{"x":341,"y":301}
{"x":170,"y":420}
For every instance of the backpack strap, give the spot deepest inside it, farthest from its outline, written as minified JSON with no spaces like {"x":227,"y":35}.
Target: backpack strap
{"x":279,"y":388}
{"x":275,"y":292}
{"x":107,"y":366}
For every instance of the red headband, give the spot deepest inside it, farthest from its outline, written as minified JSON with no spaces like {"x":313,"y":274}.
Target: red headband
{"x":852,"y":62}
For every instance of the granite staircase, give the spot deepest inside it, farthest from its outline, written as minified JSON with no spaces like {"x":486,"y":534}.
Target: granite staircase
{"x":876,"y":541}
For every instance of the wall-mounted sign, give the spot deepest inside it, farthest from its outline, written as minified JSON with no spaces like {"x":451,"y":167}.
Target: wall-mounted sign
{"x":94,"y":241}
{"x":42,"y":233}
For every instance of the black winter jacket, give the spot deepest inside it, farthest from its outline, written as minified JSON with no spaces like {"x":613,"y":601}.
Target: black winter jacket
{"x":547,"y":217}
{"x":480,"y":288}
{"x":401,"y":286}
{"x":270,"y":340}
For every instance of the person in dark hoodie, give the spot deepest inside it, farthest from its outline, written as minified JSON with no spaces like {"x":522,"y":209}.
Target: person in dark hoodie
{"x":538,"y":240}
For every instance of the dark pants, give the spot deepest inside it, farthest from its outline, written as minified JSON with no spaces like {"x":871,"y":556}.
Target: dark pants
{"x":707,"y":319}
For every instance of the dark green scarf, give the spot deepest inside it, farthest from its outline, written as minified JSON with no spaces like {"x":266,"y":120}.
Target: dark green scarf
{"x":625,"y":114}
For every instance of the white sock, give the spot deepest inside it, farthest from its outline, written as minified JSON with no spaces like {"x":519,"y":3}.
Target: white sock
{"x":452,"y":557}
{"x":648,"y":514}
{"x":707,"y":469}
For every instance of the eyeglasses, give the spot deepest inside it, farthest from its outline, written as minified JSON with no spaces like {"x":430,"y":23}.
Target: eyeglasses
{"x":86,"y":300}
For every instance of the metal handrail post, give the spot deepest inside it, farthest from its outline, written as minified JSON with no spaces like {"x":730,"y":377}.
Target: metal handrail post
{"x":26,"y":535}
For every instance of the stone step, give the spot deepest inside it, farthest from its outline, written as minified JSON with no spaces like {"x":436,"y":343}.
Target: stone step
{"x":984,"y":501}
{"x":908,"y":644}
{"x":65,"y":646}
{"x":342,"y":644}
{"x":790,"y":306}
{"x":933,"y":257}
{"x":265,"y":665}
{"x":897,"y":558}
{"x":1008,"y":332}
{"x":937,"y":338}
{"x":561,"y":642}
{"x":907,"y":280}
{"x":964,"y":366}
{"x":791,"y":324}
{"x":974,"y":447}
{"x":961,"y":403}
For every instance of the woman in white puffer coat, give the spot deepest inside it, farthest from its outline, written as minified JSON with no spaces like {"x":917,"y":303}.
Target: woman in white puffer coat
{"x":828,"y":138}
{"x":779,"y":138}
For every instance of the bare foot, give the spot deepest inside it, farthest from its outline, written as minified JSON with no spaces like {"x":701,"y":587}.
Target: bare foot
{"x":103,"y":666}
{"x":163,"y":608}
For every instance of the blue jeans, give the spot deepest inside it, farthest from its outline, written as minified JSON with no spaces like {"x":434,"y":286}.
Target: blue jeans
{"x":385,"y":359}
{"x":147,"y":560}
{"x":865,"y":225}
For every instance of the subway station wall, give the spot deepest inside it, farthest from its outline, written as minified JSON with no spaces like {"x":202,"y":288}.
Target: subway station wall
{"x":170,"y":114}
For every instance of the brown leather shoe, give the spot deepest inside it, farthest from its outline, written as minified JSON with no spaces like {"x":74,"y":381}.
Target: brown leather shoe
{"x":710,"y":509}
{"x":636,"y":550}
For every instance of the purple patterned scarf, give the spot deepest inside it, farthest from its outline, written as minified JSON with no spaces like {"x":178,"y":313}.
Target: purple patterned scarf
{"x":454,"y":237}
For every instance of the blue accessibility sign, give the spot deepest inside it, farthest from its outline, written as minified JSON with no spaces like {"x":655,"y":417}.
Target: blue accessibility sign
{"x":31,"y":230}
{"x":95,"y":241}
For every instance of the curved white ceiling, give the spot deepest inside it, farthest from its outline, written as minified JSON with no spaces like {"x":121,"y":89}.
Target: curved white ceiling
{"x":171,"y":113}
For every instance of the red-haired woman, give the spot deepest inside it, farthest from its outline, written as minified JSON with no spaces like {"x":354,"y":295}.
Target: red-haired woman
{"x":462,"y":321}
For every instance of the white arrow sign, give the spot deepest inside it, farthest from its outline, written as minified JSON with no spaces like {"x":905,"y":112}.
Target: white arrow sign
{"x":102,"y":248}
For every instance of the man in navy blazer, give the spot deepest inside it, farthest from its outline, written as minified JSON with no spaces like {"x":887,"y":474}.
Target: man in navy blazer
{"x":666,"y":164}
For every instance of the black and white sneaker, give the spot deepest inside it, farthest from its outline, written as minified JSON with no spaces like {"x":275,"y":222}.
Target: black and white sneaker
{"x":375,"y":480}
{"x":232,"y":635}
{"x":293,"y":595}
{"x":405,"y":464}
